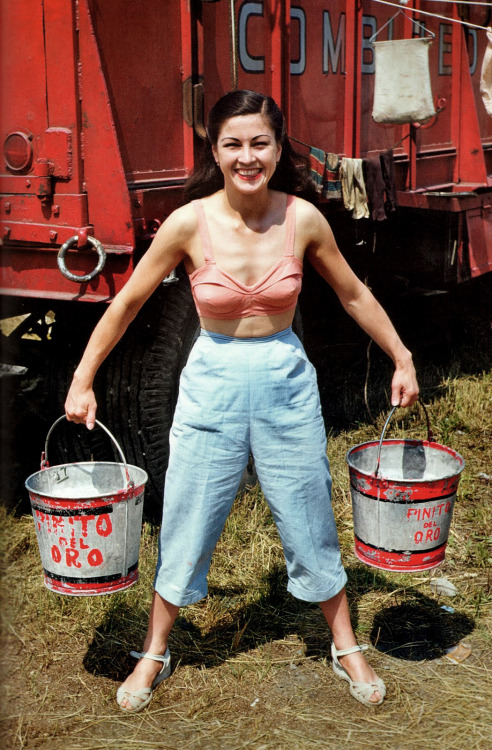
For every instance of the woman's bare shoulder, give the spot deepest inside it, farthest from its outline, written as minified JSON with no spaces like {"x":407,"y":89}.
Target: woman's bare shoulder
{"x":179,"y":228}
{"x":309,"y":219}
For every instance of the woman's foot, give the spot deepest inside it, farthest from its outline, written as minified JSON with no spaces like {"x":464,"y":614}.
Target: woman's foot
{"x":136,"y":691}
{"x":359,"y":672}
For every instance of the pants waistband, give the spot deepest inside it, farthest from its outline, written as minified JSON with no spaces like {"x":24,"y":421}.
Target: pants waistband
{"x":221,"y":338}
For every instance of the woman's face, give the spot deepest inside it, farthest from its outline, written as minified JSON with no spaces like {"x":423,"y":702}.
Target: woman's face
{"x":247,"y":152}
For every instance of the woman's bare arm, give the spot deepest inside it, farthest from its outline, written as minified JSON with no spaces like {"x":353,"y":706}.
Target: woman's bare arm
{"x":358,"y":301}
{"x":166,"y":251}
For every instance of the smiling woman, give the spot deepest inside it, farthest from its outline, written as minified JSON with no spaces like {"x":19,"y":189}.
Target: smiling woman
{"x":247,"y":387}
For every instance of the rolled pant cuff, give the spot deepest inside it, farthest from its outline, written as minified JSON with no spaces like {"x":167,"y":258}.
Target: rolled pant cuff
{"x":173,"y":596}
{"x":318,"y":596}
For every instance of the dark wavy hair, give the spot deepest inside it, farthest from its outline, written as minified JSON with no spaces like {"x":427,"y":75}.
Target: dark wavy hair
{"x":292,"y":174}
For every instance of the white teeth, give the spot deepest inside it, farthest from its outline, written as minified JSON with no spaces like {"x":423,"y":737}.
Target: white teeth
{"x":248,"y":172}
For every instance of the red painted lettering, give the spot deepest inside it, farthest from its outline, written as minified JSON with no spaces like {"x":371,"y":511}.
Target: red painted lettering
{"x":84,"y":522}
{"x":57,"y":523}
{"x":82,"y":545}
{"x":428,"y":535}
{"x":42,"y":518}
{"x":55,"y":554}
{"x":419,"y":535}
{"x":95,"y":557}
{"x":103,"y":525}
{"x":62,"y":542}
{"x":71,"y":558}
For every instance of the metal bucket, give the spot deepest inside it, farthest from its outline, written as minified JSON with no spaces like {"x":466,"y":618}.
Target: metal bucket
{"x":88,"y":519}
{"x":403,"y":494}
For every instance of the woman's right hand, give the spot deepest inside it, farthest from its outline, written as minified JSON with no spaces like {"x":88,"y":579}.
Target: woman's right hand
{"x":81,"y":405}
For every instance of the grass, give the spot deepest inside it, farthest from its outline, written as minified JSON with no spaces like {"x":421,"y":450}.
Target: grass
{"x":251,"y":667}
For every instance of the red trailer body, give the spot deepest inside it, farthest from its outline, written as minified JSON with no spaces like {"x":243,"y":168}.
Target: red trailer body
{"x":103,"y":106}
{"x":102,"y":117}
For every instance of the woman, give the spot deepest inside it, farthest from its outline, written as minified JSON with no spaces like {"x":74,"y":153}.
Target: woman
{"x":247,"y":385}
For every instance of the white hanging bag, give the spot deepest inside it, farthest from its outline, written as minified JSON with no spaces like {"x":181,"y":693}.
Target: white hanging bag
{"x":486,"y":75}
{"x":402,"y":87}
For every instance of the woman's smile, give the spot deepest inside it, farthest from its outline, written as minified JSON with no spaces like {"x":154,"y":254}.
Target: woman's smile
{"x":248,"y":174}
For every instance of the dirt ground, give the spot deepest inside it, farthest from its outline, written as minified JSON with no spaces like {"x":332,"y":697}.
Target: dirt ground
{"x":259,"y":680}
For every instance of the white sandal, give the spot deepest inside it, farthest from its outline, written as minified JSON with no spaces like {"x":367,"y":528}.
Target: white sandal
{"x":138,"y":699}
{"x":362,"y":691}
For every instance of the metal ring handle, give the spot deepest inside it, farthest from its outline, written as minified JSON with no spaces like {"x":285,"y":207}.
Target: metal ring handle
{"x":44,"y":459}
{"x":88,"y":276}
{"x":430,"y":434}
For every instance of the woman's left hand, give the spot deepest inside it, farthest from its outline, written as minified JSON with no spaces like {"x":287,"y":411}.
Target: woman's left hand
{"x":404,"y":386}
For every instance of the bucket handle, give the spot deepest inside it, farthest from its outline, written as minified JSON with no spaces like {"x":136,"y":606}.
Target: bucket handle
{"x":430,"y":434}
{"x":44,"y":456}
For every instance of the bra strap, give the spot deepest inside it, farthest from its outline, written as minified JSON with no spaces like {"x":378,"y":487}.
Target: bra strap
{"x":204,"y":233}
{"x":291,"y":225}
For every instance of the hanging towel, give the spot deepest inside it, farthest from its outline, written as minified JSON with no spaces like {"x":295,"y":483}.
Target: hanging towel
{"x":379,"y":175}
{"x":354,"y":188}
{"x":486,"y":75}
{"x":317,"y":163}
{"x":332,"y":187}
{"x":388,"y":171}
{"x":373,"y":176}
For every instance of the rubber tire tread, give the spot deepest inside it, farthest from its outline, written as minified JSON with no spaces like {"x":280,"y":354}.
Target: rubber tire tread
{"x":142,"y":383}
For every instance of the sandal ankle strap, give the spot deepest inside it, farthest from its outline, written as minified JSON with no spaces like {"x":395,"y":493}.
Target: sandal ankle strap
{"x":155,"y":657}
{"x":346,"y":651}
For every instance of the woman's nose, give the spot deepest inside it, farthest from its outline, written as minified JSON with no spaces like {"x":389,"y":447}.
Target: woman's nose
{"x":245,"y":156}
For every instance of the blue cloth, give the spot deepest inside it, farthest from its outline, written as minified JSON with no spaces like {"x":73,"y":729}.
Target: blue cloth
{"x":236,"y":397}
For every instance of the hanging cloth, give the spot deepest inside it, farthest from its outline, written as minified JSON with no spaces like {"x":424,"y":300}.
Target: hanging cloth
{"x":317,"y":164}
{"x":402,"y":87}
{"x":379,"y":175}
{"x":486,"y":75}
{"x":325,"y":173}
{"x":388,"y":170}
{"x":332,"y":187}
{"x":373,"y":176}
{"x":354,"y":188}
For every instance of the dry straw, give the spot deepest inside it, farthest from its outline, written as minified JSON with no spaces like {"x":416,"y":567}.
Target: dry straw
{"x":251,"y":663}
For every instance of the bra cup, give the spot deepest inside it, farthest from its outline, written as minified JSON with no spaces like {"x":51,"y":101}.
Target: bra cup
{"x":212,"y":299}
{"x":280,"y":293}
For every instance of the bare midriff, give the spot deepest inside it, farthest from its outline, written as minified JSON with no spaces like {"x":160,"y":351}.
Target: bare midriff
{"x":253,"y":327}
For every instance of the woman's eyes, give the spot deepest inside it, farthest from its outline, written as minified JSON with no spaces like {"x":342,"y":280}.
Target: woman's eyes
{"x":258,"y":144}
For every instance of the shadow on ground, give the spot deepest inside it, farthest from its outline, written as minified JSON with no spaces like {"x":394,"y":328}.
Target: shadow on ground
{"x":415,"y":629}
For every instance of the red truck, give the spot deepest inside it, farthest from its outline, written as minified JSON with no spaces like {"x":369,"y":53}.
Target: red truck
{"x":102,"y":118}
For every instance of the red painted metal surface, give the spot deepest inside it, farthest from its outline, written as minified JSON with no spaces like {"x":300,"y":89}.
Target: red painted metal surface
{"x":104,"y":111}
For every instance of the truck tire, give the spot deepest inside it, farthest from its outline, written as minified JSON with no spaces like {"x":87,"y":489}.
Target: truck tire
{"x":142,"y":378}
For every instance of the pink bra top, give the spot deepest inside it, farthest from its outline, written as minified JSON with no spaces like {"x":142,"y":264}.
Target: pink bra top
{"x":218,"y":295}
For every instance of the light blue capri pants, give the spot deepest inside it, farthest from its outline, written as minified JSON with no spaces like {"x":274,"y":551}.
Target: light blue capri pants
{"x":236,"y":397}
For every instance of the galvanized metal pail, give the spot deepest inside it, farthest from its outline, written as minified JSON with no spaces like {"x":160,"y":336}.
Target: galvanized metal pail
{"x":88,"y":519}
{"x":403,"y":494}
